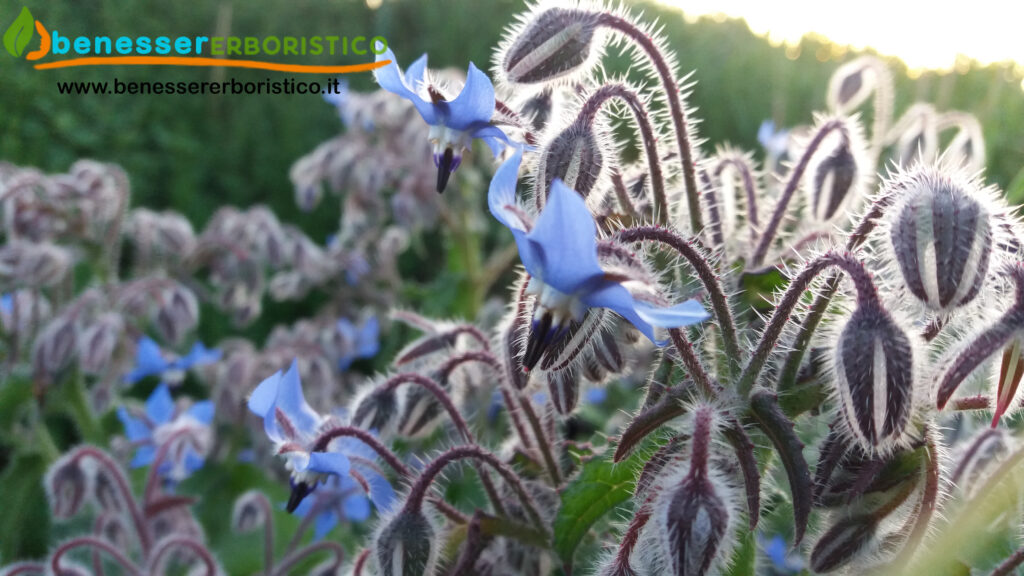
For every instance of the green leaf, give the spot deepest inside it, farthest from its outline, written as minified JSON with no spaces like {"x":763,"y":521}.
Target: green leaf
{"x":600,"y":487}
{"x":25,"y":522}
{"x":757,"y":288}
{"x":17,"y":37}
{"x":744,"y":556}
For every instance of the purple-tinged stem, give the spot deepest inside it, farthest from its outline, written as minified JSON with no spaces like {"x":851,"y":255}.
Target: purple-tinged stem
{"x":23,"y":568}
{"x":453,"y":413}
{"x":675,"y":107}
{"x":622,"y":193}
{"x":419,"y":489}
{"x":1009,"y":566}
{"x":977,"y":402}
{"x":707,"y":275}
{"x":268,"y":532}
{"x":768,"y":236}
{"x":749,"y":188}
{"x":122,"y":484}
{"x":866,"y":296}
{"x":690,"y":360}
{"x":387,"y":455}
{"x":588,"y":113}
{"x":791,"y":366}
{"x":357,"y":568}
{"x":153,"y":476}
{"x":926,"y":508}
{"x":95,"y":543}
{"x":711,"y":200}
{"x":292,"y":560}
{"x":196,"y":547}
{"x":542,"y":441}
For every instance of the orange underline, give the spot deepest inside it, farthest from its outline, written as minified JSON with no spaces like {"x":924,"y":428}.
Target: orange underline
{"x":197,"y":61}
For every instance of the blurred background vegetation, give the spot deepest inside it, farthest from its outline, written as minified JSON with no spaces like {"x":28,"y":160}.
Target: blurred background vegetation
{"x":196,"y":153}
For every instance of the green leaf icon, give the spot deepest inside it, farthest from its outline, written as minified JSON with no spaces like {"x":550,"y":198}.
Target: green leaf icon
{"x":17,"y":37}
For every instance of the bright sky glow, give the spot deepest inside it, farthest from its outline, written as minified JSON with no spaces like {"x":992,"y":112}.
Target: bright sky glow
{"x":922,"y":34}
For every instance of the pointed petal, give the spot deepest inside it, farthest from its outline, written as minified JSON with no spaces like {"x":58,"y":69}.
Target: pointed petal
{"x":391,"y":79}
{"x":501,"y":195}
{"x":202,"y":411}
{"x":328,"y":463}
{"x":494,"y":137}
{"x":148,"y":360}
{"x":325,"y":522}
{"x":357,"y":507}
{"x":143,"y":456}
{"x":683,"y":314}
{"x":475,"y":104}
{"x":641,"y":314}
{"x":134,"y":428}
{"x":261,"y":401}
{"x":198,"y":355}
{"x":564,"y":238}
{"x":415,"y":73}
{"x":368,"y":339}
{"x":382,"y":494}
{"x":292,"y":402}
{"x":160,"y":405}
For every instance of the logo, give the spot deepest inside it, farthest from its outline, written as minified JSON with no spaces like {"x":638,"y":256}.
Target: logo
{"x":184,"y":50}
{"x":19,"y":35}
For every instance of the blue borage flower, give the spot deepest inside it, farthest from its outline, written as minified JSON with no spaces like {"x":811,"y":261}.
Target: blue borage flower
{"x":187,"y":431}
{"x":358,"y":342}
{"x":775,"y":141}
{"x":150,"y":361}
{"x":453,"y":123}
{"x":559,"y":251}
{"x":293,"y":426}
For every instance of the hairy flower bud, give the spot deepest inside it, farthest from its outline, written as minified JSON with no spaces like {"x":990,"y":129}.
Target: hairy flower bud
{"x":176,"y":314}
{"x":249,"y":512}
{"x":941,"y":237}
{"x":54,"y":347}
{"x":564,"y":388}
{"x":30,"y":265}
{"x":22,"y":311}
{"x":607,"y":352}
{"x":553,"y":44}
{"x":853,"y":82}
{"x":405,"y":545}
{"x":874,"y":374}
{"x":67,"y":485}
{"x":574,"y":156}
{"x":97,"y":342}
{"x":376,"y":410}
{"x":420,"y":412}
{"x":833,"y":181}
{"x":843,"y":542}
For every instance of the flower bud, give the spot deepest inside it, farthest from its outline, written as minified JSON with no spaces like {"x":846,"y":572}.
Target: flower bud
{"x":176,"y":314}
{"x":249,"y":512}
{"x":694,"y":525}
{"x":22,"y":312}
{"x":405,"y":545}
{"x":421,"y":412}
{"x":843,"y":542}
{"x":564,"y":389}
{"x":33,"y":265}
{"x":874,"y":374}
{"x":376,"y":410}
{"x":555,"y":43}
{"x":833,"y":181}
{"x":941,"y":237}
{"x":607,"y":353}
{"x":55,"y":347}
{"x":67,"y":485}
{"x":574,"y":156}
{"x":853,"y":82}
{"x":97,"y":342}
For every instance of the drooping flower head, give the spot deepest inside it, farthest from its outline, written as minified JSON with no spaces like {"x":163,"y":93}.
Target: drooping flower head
{"x":559,"y":251}
{"x":184,"y":434}
{"x":294,"y":428}
{"x":453,"y":123}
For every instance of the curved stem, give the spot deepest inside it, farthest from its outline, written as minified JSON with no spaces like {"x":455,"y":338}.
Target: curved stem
{"x":787,"y":194}
{"x":293,"y":559}
{"x":453,"y":413}
{"x":588,"y":113}
{"x":95,"y":543}
{"x":419,"y":489}
{"x":340,"y":431}
{"x":153,"y":475}
{"x":707,"y":275}
{"x":195,"y":546}
{"x":122,"y":484}
{"x":23,"y":568}
{"x":357,"y":568}
{"x":675,"y":107}
{"x":691,"y":361}
{"x":622,"y":193}
{"x":542,"y":441}
{"x":791,"y":367}
{"x":926,"y":508}
{"x":866,"y":294}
